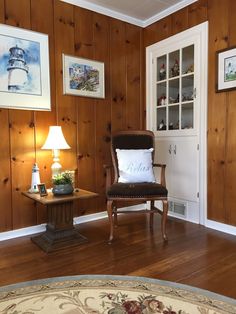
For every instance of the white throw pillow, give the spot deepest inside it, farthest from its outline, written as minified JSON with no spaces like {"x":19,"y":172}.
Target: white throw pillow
{"x":135,"y":165}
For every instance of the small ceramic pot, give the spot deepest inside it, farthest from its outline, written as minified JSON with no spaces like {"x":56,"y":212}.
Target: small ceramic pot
{"x":62,"y":189}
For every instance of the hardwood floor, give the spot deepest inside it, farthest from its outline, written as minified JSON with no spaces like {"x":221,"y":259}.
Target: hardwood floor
{"x":194,"y":255}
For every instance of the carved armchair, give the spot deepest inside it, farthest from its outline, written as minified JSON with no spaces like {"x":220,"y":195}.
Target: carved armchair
{"x":131,"y":144}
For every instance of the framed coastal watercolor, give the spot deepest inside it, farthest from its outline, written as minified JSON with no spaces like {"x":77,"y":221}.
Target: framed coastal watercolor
{"x":24,"y":69}
{"x":83,"y":77}
{"x":226,"y":69}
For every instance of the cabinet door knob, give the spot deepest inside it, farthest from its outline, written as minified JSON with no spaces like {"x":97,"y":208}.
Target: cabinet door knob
{"x":170,"y":149}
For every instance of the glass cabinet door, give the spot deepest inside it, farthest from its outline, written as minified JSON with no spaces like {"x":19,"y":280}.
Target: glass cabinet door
{"x":175,"y":90}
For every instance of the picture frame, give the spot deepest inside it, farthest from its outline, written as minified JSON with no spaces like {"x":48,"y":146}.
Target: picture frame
{"x":83,"y":77}
{"x":226,"y":69}
{"x":42,"y":189}
{"x":24,"y":69}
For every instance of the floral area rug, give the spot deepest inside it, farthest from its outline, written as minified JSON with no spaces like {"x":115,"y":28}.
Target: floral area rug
{"x":103,"y":294}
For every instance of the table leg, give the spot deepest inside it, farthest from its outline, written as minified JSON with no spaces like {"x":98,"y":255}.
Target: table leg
{"x":60,"y":231}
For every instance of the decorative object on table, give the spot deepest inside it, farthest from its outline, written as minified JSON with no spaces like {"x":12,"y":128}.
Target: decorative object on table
{"x":72,"y":174}
{"x":42,"y":189}
{"x":24,"y":71}
{"x":35,"y":179}
{"x":162,"y":72}
{"x":55,"y":141}
{"x":226,"y":69}
{"x":83,"y":77}
{"x":175,"y":69}
{"x":62,"y":183}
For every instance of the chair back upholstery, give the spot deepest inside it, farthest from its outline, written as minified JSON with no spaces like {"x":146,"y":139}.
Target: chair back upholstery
{"x":141,"y":139}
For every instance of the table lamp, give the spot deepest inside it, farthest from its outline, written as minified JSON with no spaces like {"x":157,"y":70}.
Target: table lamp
{"x":55,"y":141}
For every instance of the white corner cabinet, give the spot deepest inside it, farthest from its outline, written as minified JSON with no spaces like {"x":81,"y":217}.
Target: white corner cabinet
{"x":176,"y":86}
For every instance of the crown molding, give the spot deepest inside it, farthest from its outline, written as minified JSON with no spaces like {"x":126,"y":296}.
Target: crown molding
{"x":169,"y":11}
{"x":126,"y":18}
{"x":99,"y":9}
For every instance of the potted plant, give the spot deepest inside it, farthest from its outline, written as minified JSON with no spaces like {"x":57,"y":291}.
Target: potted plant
{"x":62,"y":183}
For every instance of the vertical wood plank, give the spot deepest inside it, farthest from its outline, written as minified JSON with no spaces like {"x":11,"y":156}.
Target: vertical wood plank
{"x":5,"y":169}
{"x":230,"y":171}
{"x":217,"y":108}
{"x":157,"y":31}
{"x":44,"y":119}
{"x":85,"y":110}
{"x":21,"y":135}
{"x":83,"y":33}
{"x":133,"y":66}
{"x":102,"y":107}
{"x":197,"y":13}
{"x":118,"y":75}
{"x":65,"y":104}
{"x":17,"y":15}
{"x":5,"y":174}
{"x":180,"y":21}
{"x":2,"y":11}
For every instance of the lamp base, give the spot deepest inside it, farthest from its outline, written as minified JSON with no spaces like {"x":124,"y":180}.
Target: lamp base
{"x":56,"y":168}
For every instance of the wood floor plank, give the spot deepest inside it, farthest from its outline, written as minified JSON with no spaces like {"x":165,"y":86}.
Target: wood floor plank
{"x":194,"y":255}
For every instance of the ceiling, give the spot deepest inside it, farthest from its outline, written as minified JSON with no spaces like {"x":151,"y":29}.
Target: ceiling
{"x":138,"y":12}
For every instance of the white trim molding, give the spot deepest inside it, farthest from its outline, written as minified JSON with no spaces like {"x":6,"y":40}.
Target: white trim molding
{"x":126,"y":18}
{"x":169,"y":11}
{"x":41,"y":228}
{"x":92,"y":217}
{"x":220,"y":227}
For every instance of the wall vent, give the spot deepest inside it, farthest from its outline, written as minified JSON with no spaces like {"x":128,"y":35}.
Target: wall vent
{"x":178,"y":208}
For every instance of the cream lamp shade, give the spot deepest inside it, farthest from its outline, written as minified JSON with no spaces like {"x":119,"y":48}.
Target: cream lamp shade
{"x":55,"y":141}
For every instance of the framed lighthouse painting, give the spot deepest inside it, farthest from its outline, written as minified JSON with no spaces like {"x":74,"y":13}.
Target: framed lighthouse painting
{"x":24,"y":69}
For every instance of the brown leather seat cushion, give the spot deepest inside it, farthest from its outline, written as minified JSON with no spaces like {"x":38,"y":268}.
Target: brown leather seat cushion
{"x":136,"y":190}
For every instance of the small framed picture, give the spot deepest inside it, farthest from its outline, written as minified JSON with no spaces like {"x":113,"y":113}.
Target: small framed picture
{"x":226,"y":69}
{"x":83,"y":77}
{"x":42,"y":189}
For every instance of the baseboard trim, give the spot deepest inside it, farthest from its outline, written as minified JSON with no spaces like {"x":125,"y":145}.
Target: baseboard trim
{"x":41,"y":228}
{"x":87,"y":218}
{"x":22,"y":232}
{"x":220,"y":227}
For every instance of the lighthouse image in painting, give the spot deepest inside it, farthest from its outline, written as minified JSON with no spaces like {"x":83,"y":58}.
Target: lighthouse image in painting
{"x":20,"y":66}
{"x":18,"y":69}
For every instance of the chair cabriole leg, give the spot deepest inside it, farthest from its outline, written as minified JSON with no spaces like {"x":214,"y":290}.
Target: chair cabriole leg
{"x":110,"y":212}
{"x":115,"y":215}
{"x":164,"y":219}
{"x":151,"y":216}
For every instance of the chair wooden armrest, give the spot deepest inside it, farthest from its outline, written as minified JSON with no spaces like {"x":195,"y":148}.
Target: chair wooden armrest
{"x":163,"y":175}
{"x":108,"y":169}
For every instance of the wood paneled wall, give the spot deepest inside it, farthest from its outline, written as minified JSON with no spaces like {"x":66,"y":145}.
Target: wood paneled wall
{"x":221,"y":161}
{"x":86,"y":122}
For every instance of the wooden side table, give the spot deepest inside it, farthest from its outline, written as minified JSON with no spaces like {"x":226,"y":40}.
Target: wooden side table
{"x":60,"y":231}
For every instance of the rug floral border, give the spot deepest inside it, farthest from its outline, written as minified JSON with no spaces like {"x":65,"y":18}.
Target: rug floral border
{"x":194,"y":297}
